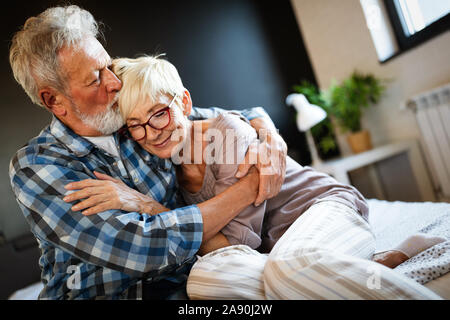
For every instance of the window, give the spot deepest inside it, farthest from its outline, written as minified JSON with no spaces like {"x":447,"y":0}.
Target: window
{"x":415,"y":15}
{"x":415,"y":21}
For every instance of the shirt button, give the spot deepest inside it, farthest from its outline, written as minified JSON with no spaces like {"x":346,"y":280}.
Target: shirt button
{"x":136,"y":180}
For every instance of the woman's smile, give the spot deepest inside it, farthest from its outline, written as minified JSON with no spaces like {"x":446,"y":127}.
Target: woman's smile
{"x":164,"y":143}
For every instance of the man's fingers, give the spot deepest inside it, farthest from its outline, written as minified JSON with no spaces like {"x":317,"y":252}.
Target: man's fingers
{"x":82,"y":184}
{"x":89,"y":202}
{"x":97,"y":209}
{"x":82,"y":194}
{"x":103,"y":176}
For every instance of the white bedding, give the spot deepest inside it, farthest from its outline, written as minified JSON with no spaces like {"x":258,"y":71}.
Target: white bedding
{"x":391,"y":222}
{"x":394,"y":221}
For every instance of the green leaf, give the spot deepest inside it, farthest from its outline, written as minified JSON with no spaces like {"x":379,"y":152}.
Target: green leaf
{"x":347,"y":99}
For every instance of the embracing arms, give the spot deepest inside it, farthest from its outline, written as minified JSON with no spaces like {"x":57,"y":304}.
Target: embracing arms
{"x":129,"y":242}
{"x":271,"y":145}
{"x":108,"y":193}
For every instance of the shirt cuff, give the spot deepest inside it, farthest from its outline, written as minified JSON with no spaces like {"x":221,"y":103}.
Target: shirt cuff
{"x":253,"y":113}
{"x":190,"y":222}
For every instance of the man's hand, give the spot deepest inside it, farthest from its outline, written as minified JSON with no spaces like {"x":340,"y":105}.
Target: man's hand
{"x":269,"y":156}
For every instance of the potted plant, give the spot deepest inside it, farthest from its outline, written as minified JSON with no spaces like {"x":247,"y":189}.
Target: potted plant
{"x":323,"y":133}
{"x":346,"y":102}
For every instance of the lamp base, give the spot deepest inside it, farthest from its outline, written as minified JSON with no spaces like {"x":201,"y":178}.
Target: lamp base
{"x":316,"y":161}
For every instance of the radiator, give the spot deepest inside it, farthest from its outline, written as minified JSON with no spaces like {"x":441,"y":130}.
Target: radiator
{"x":432,"y":111}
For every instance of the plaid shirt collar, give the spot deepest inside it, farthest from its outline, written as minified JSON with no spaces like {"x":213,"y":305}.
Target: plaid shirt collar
{"x":77,"y":144}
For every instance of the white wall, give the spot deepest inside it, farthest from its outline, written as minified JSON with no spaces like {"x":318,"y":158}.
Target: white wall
{"x":338,"y":41}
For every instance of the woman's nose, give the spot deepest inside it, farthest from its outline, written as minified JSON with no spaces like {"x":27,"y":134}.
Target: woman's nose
{"x":152,"y":133}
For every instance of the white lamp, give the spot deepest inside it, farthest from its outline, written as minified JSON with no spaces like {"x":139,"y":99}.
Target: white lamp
{"x":308,"y":115}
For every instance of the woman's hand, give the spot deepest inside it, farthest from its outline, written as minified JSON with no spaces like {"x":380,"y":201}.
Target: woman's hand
{"x":108,"y":193}
{"x":269,"y":156}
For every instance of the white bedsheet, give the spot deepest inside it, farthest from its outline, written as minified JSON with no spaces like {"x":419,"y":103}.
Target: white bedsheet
{"x":391,"y":222}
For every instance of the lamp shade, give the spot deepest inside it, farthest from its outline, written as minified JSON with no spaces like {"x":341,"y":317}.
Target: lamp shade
{"x":308,"y":115}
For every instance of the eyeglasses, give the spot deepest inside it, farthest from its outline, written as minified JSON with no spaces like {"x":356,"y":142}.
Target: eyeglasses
{"x":158,"y":121}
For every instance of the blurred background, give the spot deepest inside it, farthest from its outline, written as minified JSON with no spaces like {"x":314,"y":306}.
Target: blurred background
{"x":237,"y":54}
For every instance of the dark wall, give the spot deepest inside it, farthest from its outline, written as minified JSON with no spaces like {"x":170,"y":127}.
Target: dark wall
{"x":231,"y":54}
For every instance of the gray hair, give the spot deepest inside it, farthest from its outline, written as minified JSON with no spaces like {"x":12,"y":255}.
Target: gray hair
{"x":34,"y":50}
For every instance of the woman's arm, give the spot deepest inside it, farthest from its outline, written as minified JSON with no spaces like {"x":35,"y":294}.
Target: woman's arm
{"x":216,"y":242}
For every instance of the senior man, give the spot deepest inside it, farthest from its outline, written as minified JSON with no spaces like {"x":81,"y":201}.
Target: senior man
{"x":61,"y":65}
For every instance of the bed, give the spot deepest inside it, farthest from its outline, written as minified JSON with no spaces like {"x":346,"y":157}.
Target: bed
{"x":394,"y":221}
{"x":391,"y":222}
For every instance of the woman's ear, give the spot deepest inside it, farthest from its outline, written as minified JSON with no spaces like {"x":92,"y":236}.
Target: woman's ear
{"x":187,"y":103}
{"x":52,"y":100}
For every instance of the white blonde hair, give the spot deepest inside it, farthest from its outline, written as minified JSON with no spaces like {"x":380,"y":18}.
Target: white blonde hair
{"x":146,"y":77}
{"x":34,"y":50}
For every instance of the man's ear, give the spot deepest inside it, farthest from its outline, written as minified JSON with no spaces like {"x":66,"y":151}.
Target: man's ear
{"x":187,"y":102}
{"x":52,"y":100}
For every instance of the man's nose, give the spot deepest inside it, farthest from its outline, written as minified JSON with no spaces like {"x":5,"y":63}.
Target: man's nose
{"x":113,"y":84}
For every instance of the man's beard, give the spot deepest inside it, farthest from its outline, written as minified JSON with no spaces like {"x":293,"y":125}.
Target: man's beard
{"x":107,"y":122}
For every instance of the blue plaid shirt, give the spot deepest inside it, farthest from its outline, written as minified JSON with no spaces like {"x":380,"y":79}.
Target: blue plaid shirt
{"x":107,"y":255}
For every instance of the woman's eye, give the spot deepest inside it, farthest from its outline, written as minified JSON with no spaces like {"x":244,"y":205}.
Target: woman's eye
{"x":133,"y":127}
{"x":159,"y":114}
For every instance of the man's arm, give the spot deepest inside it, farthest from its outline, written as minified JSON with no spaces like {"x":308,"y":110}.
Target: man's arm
{"x":110,"y":193}
{"x":130,"y":242}
{"x":213,"y":112}
{"x":272,"y":168}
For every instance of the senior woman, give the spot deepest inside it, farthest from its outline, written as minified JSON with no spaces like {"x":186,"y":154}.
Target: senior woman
{"x":312,"y":240}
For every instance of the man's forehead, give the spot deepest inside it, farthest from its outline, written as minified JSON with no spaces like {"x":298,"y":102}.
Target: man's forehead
{"x":87,"y":56}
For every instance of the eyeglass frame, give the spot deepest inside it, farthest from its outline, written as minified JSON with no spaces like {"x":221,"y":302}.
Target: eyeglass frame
{"x":125,"y":129}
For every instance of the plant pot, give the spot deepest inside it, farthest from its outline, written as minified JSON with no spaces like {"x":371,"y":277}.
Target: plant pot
{"x":360,"y":141}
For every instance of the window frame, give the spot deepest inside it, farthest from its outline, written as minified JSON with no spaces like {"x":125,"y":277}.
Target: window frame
{"x":408,"y":42}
